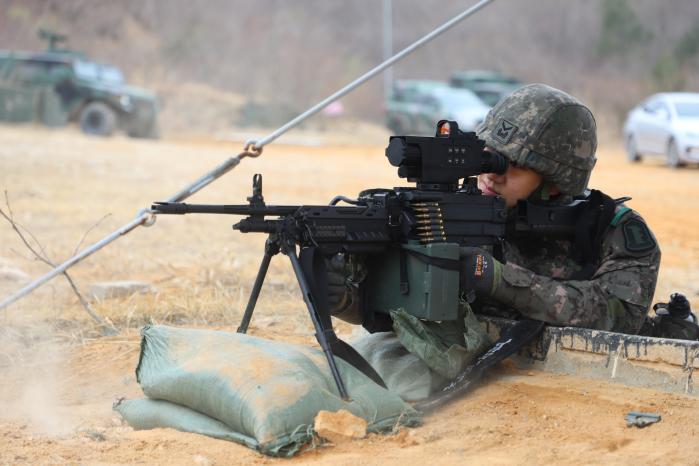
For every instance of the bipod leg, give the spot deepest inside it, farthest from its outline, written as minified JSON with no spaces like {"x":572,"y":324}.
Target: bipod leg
{"x":321,"y":332}
{"x":271,"y":249}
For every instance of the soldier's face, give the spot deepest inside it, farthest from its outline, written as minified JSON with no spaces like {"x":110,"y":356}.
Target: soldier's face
{"x":516,"y":184}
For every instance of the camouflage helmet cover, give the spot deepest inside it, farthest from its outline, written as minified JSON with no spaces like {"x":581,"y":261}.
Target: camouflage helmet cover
{"x":546,"y":130}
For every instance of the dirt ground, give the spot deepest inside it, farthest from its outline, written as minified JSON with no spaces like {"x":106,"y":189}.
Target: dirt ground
{"x":59,"y":376}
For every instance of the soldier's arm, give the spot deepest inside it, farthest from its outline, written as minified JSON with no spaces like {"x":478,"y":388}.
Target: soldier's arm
{"x":616,"y":298}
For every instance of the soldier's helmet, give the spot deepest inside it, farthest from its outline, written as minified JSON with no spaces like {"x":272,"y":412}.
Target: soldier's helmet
{"x":546,"y":130}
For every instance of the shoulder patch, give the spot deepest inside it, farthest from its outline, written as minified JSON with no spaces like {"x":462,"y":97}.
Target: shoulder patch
{"x":504,"y":130}
{"x":621,"y":211}
{"x":637,"y":237}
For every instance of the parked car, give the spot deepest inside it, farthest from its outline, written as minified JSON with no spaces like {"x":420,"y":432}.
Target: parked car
{"x":489,"y":86}
{"x":59,"y":86}
{"x":415,"y":107}
{"x":665,"y":124}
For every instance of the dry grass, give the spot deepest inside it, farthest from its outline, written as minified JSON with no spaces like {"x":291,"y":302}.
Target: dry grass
{"x":60,"y":183}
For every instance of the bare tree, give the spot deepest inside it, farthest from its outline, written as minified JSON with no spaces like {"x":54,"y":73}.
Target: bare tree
{"x":39,"y":252}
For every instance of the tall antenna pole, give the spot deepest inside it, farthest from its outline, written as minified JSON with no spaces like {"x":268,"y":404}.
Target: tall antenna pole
{"x":387,"y":46}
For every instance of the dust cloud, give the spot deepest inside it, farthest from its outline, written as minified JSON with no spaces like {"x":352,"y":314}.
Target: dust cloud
{"x":32,"y":367}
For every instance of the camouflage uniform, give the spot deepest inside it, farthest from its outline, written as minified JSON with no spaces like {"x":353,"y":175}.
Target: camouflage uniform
{"x":552,"y":133}
{"x":537,"y":280}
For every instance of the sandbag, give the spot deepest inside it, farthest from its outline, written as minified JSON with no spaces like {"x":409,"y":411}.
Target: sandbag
{"x":405,"y":374}
{"x":145,"y":414}
{"x":264,"y":394}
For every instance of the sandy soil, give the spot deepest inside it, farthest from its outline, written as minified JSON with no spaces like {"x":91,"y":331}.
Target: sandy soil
{"x":59,"y":377}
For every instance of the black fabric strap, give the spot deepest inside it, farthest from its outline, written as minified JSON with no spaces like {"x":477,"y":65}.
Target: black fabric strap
{"x":589,"y":232}
{"x":605,"y":219}
{"x":448,"y":264}
{"x":404,"y":285}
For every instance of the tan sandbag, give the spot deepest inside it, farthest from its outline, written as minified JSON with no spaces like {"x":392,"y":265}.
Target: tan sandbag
{"x":266,"y":393}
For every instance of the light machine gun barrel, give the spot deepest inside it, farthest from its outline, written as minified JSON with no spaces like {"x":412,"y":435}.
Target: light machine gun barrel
{"x":181,"y":208}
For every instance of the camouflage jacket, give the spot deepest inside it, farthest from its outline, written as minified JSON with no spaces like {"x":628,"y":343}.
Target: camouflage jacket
{"x":538,"y":279}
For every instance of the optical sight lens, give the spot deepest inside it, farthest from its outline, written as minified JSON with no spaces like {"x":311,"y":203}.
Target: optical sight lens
{"x":492,"y":162}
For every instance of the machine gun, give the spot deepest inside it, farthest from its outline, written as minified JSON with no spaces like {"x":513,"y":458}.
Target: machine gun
{"x":426,"y":223}
{"x":409,"y":233}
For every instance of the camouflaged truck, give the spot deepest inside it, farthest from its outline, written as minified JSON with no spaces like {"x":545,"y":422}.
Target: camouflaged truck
{"x":489,"y":86}
{"x":60,"y":86}
{"x":414,"y":106}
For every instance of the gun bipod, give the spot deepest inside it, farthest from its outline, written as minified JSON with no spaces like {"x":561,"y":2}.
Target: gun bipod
{"x":324,"y":332}
{"x":271,"y":249}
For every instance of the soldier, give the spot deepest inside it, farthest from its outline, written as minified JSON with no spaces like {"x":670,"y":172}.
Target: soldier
{"x":603,"y":277}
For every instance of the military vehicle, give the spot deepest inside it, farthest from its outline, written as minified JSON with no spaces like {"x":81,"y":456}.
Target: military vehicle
{"x":60,"y":86}
{"x":415,"y":105}
{"x":489,"y":86}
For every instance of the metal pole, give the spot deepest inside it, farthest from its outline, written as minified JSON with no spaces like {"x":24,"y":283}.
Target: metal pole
{"x":387,"y":46}
{"x":142,"y":218}
{"x":75,"y":259}
{"x":370,"y":74}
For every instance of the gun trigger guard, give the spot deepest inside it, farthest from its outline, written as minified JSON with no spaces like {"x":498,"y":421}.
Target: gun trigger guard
{"x":148,"y":221}
{"x":250,"y":150}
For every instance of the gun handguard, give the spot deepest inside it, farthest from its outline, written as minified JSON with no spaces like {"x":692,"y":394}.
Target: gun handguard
{"x":181,"y":208}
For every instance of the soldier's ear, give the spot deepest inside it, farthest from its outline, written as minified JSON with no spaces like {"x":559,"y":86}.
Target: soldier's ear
{"x":553,"y":190}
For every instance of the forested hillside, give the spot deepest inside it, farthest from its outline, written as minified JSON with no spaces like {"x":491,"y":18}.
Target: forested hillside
{"x":609,"y":52}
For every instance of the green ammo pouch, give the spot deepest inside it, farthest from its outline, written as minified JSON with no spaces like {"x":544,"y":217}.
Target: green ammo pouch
{"x":412,"y":277}
{"x":419,"y":287}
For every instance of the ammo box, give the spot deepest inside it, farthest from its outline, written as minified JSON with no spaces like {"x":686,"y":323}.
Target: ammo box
{"x":432,"y":292}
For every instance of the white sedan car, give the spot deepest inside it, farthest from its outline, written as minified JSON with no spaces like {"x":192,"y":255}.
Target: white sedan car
{"x":665,"y":124}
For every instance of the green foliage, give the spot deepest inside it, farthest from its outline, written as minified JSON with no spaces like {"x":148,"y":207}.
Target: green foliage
{"x":667,"y":73}
{"x":17,"y":12}
{"x":621,"y":30}
{"x":688,"y":46}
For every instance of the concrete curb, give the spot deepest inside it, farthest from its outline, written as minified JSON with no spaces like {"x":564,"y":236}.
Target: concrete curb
{"x":657,"y":363}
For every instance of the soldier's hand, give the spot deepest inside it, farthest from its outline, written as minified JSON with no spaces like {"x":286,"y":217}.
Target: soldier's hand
{"x":345,"y":274}
{"x":337,"y":282}
{"x":481,"y":271}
